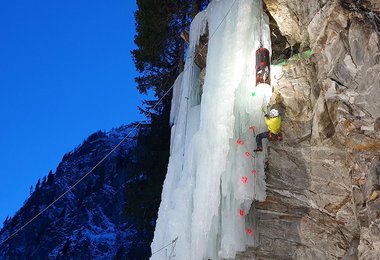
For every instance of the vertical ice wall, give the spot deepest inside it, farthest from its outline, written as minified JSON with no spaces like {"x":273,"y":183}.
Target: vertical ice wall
{"x":211,"y":179}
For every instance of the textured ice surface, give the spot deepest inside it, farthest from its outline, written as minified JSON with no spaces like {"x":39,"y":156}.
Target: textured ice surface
{"x":211,"y":179}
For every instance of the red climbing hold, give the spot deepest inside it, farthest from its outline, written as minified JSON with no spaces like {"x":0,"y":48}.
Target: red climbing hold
{"x":249,"y":231}
{"x":247,"y":154}
{"x":253,"y":172}
{"x":240,"y":142}
{"x":244,"y":179}
{"x":252,"y":127}
{"x":241,"y":212}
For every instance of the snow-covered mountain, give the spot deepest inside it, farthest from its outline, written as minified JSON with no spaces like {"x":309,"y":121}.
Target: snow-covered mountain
{"x":89,"y":222}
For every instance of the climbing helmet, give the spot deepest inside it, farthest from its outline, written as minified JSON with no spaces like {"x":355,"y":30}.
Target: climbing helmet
{"x":273,"y":113}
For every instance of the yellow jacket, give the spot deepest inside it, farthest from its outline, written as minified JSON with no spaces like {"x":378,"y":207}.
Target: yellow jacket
{"x":274,"y":124}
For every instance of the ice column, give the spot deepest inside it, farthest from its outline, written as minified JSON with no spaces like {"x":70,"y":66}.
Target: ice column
{"x":211,"y":182}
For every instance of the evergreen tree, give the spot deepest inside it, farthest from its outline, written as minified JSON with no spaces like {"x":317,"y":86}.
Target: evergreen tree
{"x":120,"y":254}
{"x":65,"y":248}
{"x":43,"y":181}
{"x":6,"y":221}
{"x":160,"y":47}
{"x":50,"y":178}
{"x":159,"y":59}
{"x":38,"y":184}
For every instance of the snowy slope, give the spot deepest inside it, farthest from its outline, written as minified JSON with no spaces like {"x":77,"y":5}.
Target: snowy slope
{"x":90,"y":221}
{"x":211,"y":180}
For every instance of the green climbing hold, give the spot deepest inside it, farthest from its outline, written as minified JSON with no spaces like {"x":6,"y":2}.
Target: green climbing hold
{"x":254,"y":94}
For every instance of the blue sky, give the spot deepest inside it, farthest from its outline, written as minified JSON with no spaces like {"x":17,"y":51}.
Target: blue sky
{"x":65,"y":72}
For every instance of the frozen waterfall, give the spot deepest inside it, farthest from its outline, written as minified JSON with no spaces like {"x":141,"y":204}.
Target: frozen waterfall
{"x":211,"y":179}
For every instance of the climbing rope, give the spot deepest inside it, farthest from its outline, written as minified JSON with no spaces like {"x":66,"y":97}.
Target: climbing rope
{"x":84,"y":176}
{"x":261,"y":26}
{"x":174,"y":242}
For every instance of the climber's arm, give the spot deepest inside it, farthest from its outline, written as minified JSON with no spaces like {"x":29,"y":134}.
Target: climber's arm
{"x":266,"y":119}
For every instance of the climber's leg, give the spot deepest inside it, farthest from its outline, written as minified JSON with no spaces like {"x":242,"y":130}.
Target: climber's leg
{"x":279,"y":136}
{"x":259,"y":141}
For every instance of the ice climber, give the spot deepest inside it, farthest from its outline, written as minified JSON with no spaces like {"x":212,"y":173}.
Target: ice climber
{"x":273,"y":121}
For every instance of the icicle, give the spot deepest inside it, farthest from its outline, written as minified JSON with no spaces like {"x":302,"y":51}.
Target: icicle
{"x":212,"y":176}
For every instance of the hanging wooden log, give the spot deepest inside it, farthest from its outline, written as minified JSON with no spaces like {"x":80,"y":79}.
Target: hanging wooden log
{"x":262,"y":66}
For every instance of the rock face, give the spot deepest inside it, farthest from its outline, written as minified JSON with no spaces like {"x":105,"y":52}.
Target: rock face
{"x":324,"y":178}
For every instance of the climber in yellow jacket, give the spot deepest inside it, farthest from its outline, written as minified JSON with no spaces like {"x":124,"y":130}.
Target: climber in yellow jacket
{"x":273,"y":121}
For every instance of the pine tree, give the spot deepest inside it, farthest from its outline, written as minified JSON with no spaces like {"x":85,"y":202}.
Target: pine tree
{"x":38,"y":184}
{"x":160,"y":50}
{"x":50,"y":178}
{"x":65,"y":248}
{"x":159,"y":58}
{"x":6,"y":221}
{"x":43,"y":181}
